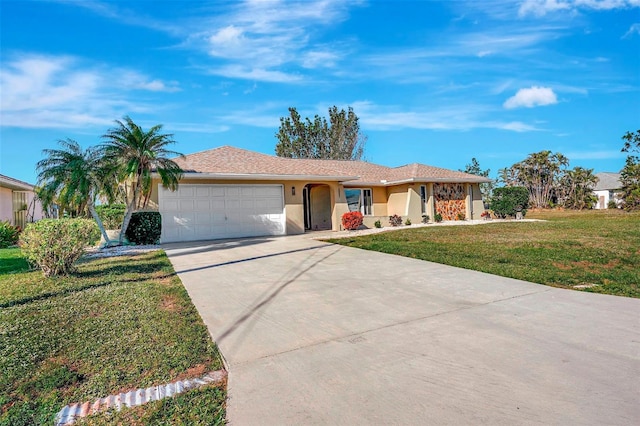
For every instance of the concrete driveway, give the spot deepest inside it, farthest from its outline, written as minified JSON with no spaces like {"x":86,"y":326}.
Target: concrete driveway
{"x":321,"y":334}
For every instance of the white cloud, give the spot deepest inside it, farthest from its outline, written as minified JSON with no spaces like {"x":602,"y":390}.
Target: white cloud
{"x":462,"y":117}
{"x":531,"y":97}
{"x":61,"y":92}
{"x":256,"y":74}
{"x":542,"y":7}
{"x":633,"y":29}
{"x":257,"y":40}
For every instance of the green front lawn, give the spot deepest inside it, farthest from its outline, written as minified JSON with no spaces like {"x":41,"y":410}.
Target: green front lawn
{"x":11,"y":260}
{"x":117,"y":324}
{"x":596,"y":249}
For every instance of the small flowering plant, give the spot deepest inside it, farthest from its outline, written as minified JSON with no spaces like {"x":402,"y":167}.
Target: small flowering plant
{"x":351,"y":220}
{"x":486,"y":214}
{"x":395,"y":220}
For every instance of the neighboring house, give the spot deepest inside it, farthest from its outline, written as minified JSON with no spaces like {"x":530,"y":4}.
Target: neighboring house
{"x":18,"y":202}
{"x":229,"y":192}
{"x":607,"y":189}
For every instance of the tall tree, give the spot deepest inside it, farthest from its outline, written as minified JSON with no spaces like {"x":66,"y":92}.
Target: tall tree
{"x":575,"y":190}
{"x":474,"y":169}
{"x":338,"y":139}
{"x":630,"y":173}
{"x":134,"y":155}
{"x":73,"y":178}
{"x":540,"y":173}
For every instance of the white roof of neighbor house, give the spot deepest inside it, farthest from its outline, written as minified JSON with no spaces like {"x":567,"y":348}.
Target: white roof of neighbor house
{"x":608,"y":181}
{"x":229,"y":162}
{"x":15,"y":184}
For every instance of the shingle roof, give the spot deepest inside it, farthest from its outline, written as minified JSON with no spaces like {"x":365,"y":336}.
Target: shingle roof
{"x":227,"y":160}
{"x":608,"y":181}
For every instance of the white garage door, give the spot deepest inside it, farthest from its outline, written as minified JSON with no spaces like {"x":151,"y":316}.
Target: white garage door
{"x":204,"y":212}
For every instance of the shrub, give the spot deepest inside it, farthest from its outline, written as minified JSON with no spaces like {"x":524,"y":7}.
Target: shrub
{"x":425,"y":218}
{"x":9,"y":234}
{"x":111,"y":215}
{"x":352,"y":220}
{"x":612,"y":204}
{"x":395,"y":220}
{"x":55,"y":244}
{"x":437,"y":217}
{"x":377,"y":224}
{"x":461,"y":216}
{"x":145,"y":228}
{"x":407,"y":222}
{"x":506,"y":201}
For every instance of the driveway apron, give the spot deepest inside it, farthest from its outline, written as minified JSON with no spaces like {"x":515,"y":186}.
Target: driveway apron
{"x":315,"y":333}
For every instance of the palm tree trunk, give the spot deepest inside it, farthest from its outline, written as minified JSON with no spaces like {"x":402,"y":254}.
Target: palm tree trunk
{"x":95,"y":216}
{"x":127,"y":216}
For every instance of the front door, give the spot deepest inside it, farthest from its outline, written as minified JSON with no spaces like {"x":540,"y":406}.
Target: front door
{"x":306,"y":205}
{"x":316,"y":201}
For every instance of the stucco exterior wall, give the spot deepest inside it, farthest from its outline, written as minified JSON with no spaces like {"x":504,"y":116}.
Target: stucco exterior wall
{"x":477,"y":205}
{"x":397,"y":200}
{"x":379,"y":195}
{"x":414,"y":204}
{"x":6,"y":205}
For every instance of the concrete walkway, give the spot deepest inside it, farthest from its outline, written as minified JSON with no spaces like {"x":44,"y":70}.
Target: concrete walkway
{"x":321,"y":334}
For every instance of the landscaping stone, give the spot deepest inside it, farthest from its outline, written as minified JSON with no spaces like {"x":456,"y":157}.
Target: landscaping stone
{"x":133,"y":398}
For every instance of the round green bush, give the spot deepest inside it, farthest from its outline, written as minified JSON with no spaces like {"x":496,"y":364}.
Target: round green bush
{"x":111,"y":215}
{"x":144,"y":228}
{"x":54,"y":245}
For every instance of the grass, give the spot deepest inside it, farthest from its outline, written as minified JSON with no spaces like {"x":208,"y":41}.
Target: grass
{"x":115,"y":325}
{"x":596,"y":249}
{"x":11,"y":260}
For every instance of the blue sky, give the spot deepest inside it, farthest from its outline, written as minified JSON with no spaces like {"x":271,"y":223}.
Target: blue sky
{"x":432,"y":82}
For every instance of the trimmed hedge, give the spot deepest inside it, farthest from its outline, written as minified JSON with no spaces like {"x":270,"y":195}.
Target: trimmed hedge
{"x":111,"y":215}
{"x":144,"y":228}
{"x":351,"y":220}
{"x":55,"y":244}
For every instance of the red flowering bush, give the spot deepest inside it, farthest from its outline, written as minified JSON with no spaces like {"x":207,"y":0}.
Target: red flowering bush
{"x":351,"y":220}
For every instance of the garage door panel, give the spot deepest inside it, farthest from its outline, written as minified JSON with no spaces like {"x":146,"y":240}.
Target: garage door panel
{"x":202,"y":192}
{"x":247,"y":204}
{"x":217,"y":191}
{"x":232,"y":192}
{"x":185,"y":191}
{"x":171,"y":205}
{"x":233,"y":204}
{"x":270,"y":192}
{"x":197,"y":212}
{"x":186,"y":205}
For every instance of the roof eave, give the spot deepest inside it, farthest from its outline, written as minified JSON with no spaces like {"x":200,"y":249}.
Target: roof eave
{"x":262,"y":176}
{"x":421,"y":180}
{"x":14,"y":184}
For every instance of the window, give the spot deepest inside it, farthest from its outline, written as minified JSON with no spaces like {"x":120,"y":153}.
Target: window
{"x":359,"y":200}
{"x":423,"y":198}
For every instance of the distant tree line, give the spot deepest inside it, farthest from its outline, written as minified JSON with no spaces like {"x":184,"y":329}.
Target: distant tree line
{"x":549,"y":182}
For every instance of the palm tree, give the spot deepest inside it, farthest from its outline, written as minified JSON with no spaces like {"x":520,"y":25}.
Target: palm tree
{"x":73,"y":178}
{"x":135,"y":154}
